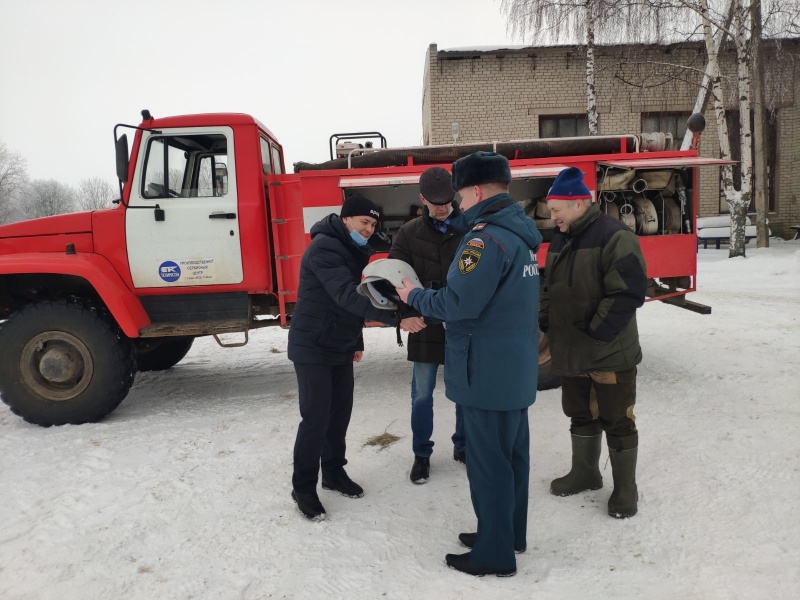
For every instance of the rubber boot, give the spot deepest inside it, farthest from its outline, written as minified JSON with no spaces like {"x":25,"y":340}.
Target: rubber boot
{"x":624,"y":498}
{"x":585,"y":472}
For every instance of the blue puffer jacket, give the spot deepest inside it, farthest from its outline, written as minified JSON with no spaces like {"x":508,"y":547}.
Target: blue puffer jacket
{"x":329,"y":316}
{"x":490,"y":308}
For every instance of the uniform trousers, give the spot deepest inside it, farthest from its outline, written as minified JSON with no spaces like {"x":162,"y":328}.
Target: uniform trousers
{"x":326,"y":403}
{"x":498,"y":465}
{"x":602,"y":401}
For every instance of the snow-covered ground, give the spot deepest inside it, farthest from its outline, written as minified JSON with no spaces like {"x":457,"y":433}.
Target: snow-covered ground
{"x":183,"y":492}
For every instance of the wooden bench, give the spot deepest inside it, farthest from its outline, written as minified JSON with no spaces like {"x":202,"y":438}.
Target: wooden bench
{"x":718,"y":240}
{"x":718,"y":230}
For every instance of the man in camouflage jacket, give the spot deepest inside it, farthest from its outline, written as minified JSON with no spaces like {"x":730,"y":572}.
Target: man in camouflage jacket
{"x":594,"y":281}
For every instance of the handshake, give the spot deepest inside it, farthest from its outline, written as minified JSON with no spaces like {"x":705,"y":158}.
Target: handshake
{"x":412,"y":324}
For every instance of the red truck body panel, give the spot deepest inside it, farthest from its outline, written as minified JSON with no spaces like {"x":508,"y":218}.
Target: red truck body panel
{"x":666,"y":255}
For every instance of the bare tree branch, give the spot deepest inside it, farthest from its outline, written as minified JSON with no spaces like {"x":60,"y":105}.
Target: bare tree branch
{"x":95,"y":193}
{"x":13,"y":179}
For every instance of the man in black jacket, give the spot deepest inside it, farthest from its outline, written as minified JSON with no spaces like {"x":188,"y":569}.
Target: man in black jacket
{"x":324,"y":340}
{"x":429,"y":243}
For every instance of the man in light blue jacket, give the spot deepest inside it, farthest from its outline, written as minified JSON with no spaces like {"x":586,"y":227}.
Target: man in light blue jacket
{"x":490,"y":307}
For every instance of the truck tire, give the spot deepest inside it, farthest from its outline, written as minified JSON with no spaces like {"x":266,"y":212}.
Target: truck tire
{"x":64,"y":362}
{"x":161,"y":354}
{"x":546,"y":380}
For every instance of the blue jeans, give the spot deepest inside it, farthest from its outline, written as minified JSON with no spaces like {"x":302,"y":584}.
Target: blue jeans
{"x":423,"y":383}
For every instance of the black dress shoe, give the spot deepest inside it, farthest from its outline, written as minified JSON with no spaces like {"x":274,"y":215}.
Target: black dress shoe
{"x":460,"y":456}
{"x":421,"y":470}
{"x":343,"y":484}
{"x":309,"y":505}
{"x":461,"y":562}
{"x":468,"y":541}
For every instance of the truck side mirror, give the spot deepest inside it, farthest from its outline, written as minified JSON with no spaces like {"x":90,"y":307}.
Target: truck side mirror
{"x":220,"y":179}
{"x":121,"y":147}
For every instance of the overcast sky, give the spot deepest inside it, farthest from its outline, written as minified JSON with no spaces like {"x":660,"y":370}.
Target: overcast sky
{"x":71,"y":69}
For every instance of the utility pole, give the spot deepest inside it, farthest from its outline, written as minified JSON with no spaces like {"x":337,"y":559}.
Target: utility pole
{"x":759,"y":139}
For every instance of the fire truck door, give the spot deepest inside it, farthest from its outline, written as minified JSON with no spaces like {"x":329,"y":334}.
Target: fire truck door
{"x":182,"y":222}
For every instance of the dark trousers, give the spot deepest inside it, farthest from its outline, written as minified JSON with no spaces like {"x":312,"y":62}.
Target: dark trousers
{"x":498,"y":465}
{"x":602,"y":401}
{"x":326,"y":402}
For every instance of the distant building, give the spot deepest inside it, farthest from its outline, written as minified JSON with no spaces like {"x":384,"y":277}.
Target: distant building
{"x":518,"y":92}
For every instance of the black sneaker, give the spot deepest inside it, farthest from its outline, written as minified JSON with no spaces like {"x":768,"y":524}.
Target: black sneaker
{"x":461,"y":562}
{"x":309,"y":505}
{"x":343,"y":484}
{"x":468,"y":541}
{"x":421,"y":470}
{"x":460,"y":456}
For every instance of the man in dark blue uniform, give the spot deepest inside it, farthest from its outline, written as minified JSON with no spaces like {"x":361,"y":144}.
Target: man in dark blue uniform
{"x":490,"y":307}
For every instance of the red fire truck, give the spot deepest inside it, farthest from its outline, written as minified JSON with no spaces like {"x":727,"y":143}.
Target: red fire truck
{"x":209,"y":230}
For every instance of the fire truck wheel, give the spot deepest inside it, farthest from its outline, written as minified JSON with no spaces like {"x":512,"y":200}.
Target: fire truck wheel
{"x":160,"y":354}
{"x":64,"y":362}
{"x":546,"y":380}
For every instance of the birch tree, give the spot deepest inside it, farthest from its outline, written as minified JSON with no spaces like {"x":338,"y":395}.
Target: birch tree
{"x":738,"y":32}
{"x":713,"y":21}
{"x":553,"y":21}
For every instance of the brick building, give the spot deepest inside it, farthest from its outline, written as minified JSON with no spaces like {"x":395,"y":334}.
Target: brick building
{"x":531,"y":92}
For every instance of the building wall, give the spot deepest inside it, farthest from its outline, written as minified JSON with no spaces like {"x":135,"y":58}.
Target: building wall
{"x":500,"y":95}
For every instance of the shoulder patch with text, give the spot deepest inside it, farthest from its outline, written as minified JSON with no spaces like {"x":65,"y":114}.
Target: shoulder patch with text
{"x":479,"y":226}
{"x":476,"y":243}
{"x":468,"y":260}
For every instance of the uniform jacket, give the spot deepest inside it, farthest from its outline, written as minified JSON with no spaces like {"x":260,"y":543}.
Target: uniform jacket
{"x":594,"y":281}
{"x":490,"y":307}
{"x":328,"y":319}
{"x":430,"y":252}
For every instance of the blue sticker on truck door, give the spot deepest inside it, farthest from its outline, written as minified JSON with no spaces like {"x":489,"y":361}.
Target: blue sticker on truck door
{"x":194,"y":270}
{"x":169,"y":271}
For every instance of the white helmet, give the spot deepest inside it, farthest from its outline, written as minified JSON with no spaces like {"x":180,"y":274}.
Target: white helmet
{"x":381,"y":277}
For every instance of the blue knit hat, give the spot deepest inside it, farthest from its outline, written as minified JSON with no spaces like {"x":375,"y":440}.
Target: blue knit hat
{"x":569,"y":185}
{"x":479,"y":168}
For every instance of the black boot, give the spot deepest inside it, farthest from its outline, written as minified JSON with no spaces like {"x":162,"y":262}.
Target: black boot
{"x":421,"y":470}
{"x":468,"y":541}
{"x":460,"y":456}
{"x":623,"y":501}
{"x":309,"y":505}
{"x":462,"y":562}
{"x":343,"y":484}
{"x":585,"y":472}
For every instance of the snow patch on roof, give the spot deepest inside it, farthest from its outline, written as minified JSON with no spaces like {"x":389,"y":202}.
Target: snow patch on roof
{"x":485,"y":48}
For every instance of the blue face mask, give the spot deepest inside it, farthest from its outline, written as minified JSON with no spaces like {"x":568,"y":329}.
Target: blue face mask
{"x":358,"y":239}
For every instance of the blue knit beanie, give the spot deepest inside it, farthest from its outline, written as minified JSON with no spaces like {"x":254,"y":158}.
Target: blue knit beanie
{"x":569,"y":185}
{"x":479,"y":168}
